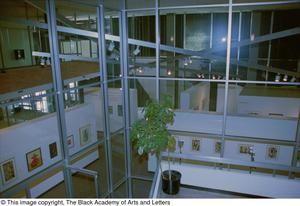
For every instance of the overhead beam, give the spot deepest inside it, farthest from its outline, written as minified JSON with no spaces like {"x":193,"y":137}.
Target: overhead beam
{"x":204,"y":54}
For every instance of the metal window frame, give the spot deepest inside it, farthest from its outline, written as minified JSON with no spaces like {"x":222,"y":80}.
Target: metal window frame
{"x":101,"y":37}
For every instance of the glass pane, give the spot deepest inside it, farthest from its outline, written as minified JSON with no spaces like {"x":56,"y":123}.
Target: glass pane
{"x":141,"y":188}
{"x":51,"y":185}
{"x":141,"y":61}
{"x":263,"y":111}
{"x":115,"y":106}
{"x":76,"y":15}
{"x":86,"y":104}
{"x":118,"y":157}
{"x":141,"y":27}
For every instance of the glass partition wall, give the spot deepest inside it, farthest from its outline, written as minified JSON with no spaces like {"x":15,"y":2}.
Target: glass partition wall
{"x":76,"y":75}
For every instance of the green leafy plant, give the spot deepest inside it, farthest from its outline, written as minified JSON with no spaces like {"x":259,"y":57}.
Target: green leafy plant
{"x":150,"y":134}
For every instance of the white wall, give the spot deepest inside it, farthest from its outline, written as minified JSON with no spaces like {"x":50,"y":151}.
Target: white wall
{"x":237,"y":181}
{"x":288,"y":107}
{"x":93,"y":97}
{"x":266,"y":128}
{"x":232,"y":102}
{"x":196,"y":97}
{"x":17,"y":140}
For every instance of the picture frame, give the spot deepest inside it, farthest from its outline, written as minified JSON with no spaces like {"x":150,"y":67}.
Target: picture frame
{"x":110,"y":109}
{"x":244,"y":149}
{"x":34,"y":159}
{"x":272,"y":152}
{"x":53,"y":150}
{"x":218,"y":147}
{"x":8,"y":171}
{"x":85,"y":134}
{"x":70,"y":141}
{"x":180,"y":144}
{"x":120,"y":110}
{"x":196,"y":145}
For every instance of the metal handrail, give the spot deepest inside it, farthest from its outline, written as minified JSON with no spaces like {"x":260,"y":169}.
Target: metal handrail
{"x":232,"y":161}
{"x":92,"y":173}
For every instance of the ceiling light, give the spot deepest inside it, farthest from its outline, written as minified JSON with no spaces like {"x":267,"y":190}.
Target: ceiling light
{"x":137,"y":51}
{"x":277,"y":78}
{"x":169,"y":72}
{"x":111,"y":46}
{"x":285,"y":78}
{"x":223,"y":39}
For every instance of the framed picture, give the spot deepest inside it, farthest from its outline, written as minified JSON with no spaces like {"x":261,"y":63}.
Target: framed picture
{"x":245,"y":148}
{"x":34,"y":159}
{"x":272,"y":152}
{"x":195,"y":145}
{"x":180,"y":144}
{"x":120,"y":110}
{"x":218,"y":147}
{"x":110,"y":110}
{"x":70,"y":141}
{"x":85,"y":134}
{"x":53,"y":150}
{"x":8,"y":170}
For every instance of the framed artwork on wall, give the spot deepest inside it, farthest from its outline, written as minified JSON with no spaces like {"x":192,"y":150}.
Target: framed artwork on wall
{"x":70,"y":141}
{"x":195,"y":145}
{"x":53,"y":150}
{"x":272,"y":152}
{"x":218,"y":147}
{"x":110,"y":110}
{"x":85,"y":134}
{"x":180,"y":144}
{"x":34,"y":159}
{"x":120,"y":110}
{"x":245,"y":148}
{"x":8,"y":170}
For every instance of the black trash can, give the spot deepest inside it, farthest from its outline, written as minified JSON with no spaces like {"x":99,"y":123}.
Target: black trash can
{"x":171,"y":187}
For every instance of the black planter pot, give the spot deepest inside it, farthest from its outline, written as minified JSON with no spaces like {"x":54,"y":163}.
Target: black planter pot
{"x":171,"y":187}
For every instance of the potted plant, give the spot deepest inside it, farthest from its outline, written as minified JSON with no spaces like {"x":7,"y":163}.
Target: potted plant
{"x":150,"y":135}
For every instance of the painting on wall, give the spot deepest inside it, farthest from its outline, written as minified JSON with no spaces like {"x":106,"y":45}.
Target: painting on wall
{"x":272,"y":152}
{"x":195,"y":145}
{"x":53,"y":150}
{"x":120,"y":110}
{"x":85,"y":134}
{"x":245,"y":148}
{"x":110,"y":110}
{"x":218,"y":147}
{"x":70,"y":141}
{"x":8,"y":171}
{"x":34,"y":159}
{"x":180,"y":144}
